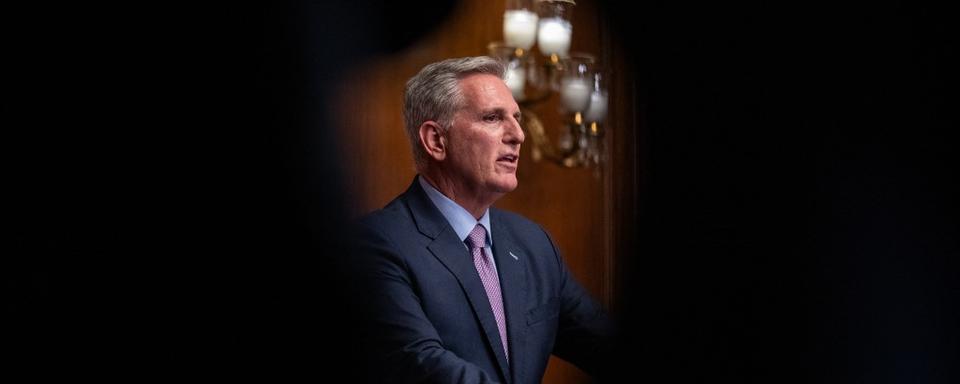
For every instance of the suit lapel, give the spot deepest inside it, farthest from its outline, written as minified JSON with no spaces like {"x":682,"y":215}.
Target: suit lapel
{"x":453,"y":254}
{"x":510,"y":265}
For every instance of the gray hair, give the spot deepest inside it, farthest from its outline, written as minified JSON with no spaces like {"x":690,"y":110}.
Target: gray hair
{"x":435,"y":94}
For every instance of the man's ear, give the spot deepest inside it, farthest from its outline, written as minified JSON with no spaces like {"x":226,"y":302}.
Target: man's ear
{"x":433,"y":140}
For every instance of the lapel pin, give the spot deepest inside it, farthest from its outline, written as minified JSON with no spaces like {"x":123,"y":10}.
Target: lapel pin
{"x":514,"y":256}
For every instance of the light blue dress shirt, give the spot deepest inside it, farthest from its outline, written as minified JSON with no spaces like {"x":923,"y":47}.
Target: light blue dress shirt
{"x":461,"y":220}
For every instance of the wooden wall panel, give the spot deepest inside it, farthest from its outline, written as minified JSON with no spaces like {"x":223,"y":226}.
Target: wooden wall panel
{"x":572,"y":204}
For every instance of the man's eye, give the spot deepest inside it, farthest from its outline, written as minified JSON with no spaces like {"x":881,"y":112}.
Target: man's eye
{"x":491,"y":118}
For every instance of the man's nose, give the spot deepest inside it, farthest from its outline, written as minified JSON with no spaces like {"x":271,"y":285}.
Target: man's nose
{"x":515,"y":133}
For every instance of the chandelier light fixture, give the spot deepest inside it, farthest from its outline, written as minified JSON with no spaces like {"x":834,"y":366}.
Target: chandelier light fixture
{"x":534,"y":78}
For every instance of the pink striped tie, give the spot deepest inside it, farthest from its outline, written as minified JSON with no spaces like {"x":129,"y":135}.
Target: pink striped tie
{"x":476,"y":241}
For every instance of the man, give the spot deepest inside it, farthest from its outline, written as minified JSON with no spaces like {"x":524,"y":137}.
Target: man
{"x":450,"y":289}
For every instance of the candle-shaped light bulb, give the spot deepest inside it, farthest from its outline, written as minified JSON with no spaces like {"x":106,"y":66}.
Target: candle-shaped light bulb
{"x":554,"y":36}
{"x":575,"y":94}
{"x":520,"y":28}
{"x":515,"y":79}
{"x":598,"y":107}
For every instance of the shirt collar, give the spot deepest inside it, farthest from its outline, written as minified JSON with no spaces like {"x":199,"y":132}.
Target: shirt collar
{"x":458,"y":217}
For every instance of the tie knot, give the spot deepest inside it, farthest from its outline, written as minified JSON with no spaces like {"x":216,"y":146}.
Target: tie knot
{"x":477,"y":237}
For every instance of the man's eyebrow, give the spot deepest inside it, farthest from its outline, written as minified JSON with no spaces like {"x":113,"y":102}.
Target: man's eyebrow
{"x":497,"y":110}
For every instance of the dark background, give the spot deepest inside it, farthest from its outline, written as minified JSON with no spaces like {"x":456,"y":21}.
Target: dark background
{"x":798,"y":195}
{"x":174,"y":209}
{"x":177,"y":208}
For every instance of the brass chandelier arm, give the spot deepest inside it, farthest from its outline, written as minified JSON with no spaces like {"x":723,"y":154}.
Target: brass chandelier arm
{"x":543,"y":147}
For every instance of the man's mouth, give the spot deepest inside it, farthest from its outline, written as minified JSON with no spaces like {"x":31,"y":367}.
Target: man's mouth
{"x":510,"y":158}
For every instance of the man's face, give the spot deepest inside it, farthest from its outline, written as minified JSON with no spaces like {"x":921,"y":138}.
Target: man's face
{"x":484,"y":140}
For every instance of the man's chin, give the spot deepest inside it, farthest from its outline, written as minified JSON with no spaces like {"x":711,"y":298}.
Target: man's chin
{"x":506,"y":184}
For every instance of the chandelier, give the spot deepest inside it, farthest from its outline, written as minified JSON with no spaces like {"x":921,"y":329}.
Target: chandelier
{"x":533,"y":78}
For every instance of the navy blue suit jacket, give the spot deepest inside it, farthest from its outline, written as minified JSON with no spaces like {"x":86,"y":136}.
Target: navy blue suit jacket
{"x":426,"y":314}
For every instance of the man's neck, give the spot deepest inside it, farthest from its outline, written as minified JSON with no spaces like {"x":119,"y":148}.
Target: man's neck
{"x":474,"y":203}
